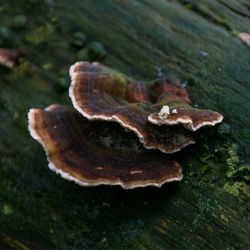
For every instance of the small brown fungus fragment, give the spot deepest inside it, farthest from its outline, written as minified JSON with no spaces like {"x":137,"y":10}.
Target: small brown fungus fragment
{"x":76,"y":152}
{"x":100,"y":93}
{"x":9,"y":58}
{"x":245,"y":37}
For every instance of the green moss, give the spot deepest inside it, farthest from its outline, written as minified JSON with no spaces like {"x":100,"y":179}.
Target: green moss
{"x":232,"y":161}
{"x":240,"y":171}
{"x":20,"y":70}
{"x":224,"y":218}
{"x":92,"y":52}
{"x":234,"y":33}
{"x":62,"y":84}
{"x":203,"y":73}
{"x":247,"y":177}
{"x":4,"y":32}
{"x":238,"y":188}
{"x":82,"y":55}
{"x":233,"y":189}
{"x":47,"y":66}
{"x":235,"y":171}
{"x":19,"y":21}
{"x":40,"y":34}
{"x":7,"y":210}
{"x":96,"y":51}
{"x":188,"y":6}
{"x":224,"y":129}
{"x":79,"y":39}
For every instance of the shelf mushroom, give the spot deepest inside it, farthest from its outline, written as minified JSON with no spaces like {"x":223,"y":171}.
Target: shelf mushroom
{"x":77,"y":150}
{"x":100,"y":93}
{"x":87,"y":144}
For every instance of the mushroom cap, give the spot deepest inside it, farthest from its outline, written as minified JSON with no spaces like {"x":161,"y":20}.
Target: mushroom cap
{"x":93,"y":153}
{"x":100,"y":93}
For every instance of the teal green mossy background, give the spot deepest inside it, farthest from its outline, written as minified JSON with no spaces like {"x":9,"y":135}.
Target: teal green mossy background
{"x":209,"y":208}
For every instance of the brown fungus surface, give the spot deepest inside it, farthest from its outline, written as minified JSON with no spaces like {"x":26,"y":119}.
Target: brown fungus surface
{"x":245,"y":37}
{"x":8,"y":58}
{"x":100,"y":93}
{"x":94,"y":153}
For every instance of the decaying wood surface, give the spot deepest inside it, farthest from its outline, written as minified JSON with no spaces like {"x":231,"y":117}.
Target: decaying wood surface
{"x":197,"y":41}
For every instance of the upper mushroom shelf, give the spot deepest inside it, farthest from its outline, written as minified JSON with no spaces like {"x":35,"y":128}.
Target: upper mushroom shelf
{"x":100,"y":93}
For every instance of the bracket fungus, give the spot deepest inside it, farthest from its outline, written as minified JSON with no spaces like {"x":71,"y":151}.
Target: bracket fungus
{"x":76,"y":150}
{"x":100,"y":93}
{"x":98,"y":152}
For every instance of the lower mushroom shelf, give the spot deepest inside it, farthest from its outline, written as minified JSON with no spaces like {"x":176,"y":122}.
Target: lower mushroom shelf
{"x":77,"y":150}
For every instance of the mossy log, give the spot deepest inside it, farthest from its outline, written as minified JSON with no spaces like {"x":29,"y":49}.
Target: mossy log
{"x":197,"y":41}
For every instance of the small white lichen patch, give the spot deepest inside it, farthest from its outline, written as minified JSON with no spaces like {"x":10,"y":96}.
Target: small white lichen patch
{"x":136,"y":172}
{"x":174,"y":111}
{"x":99,"y":168}
{"x":164,"y":112}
